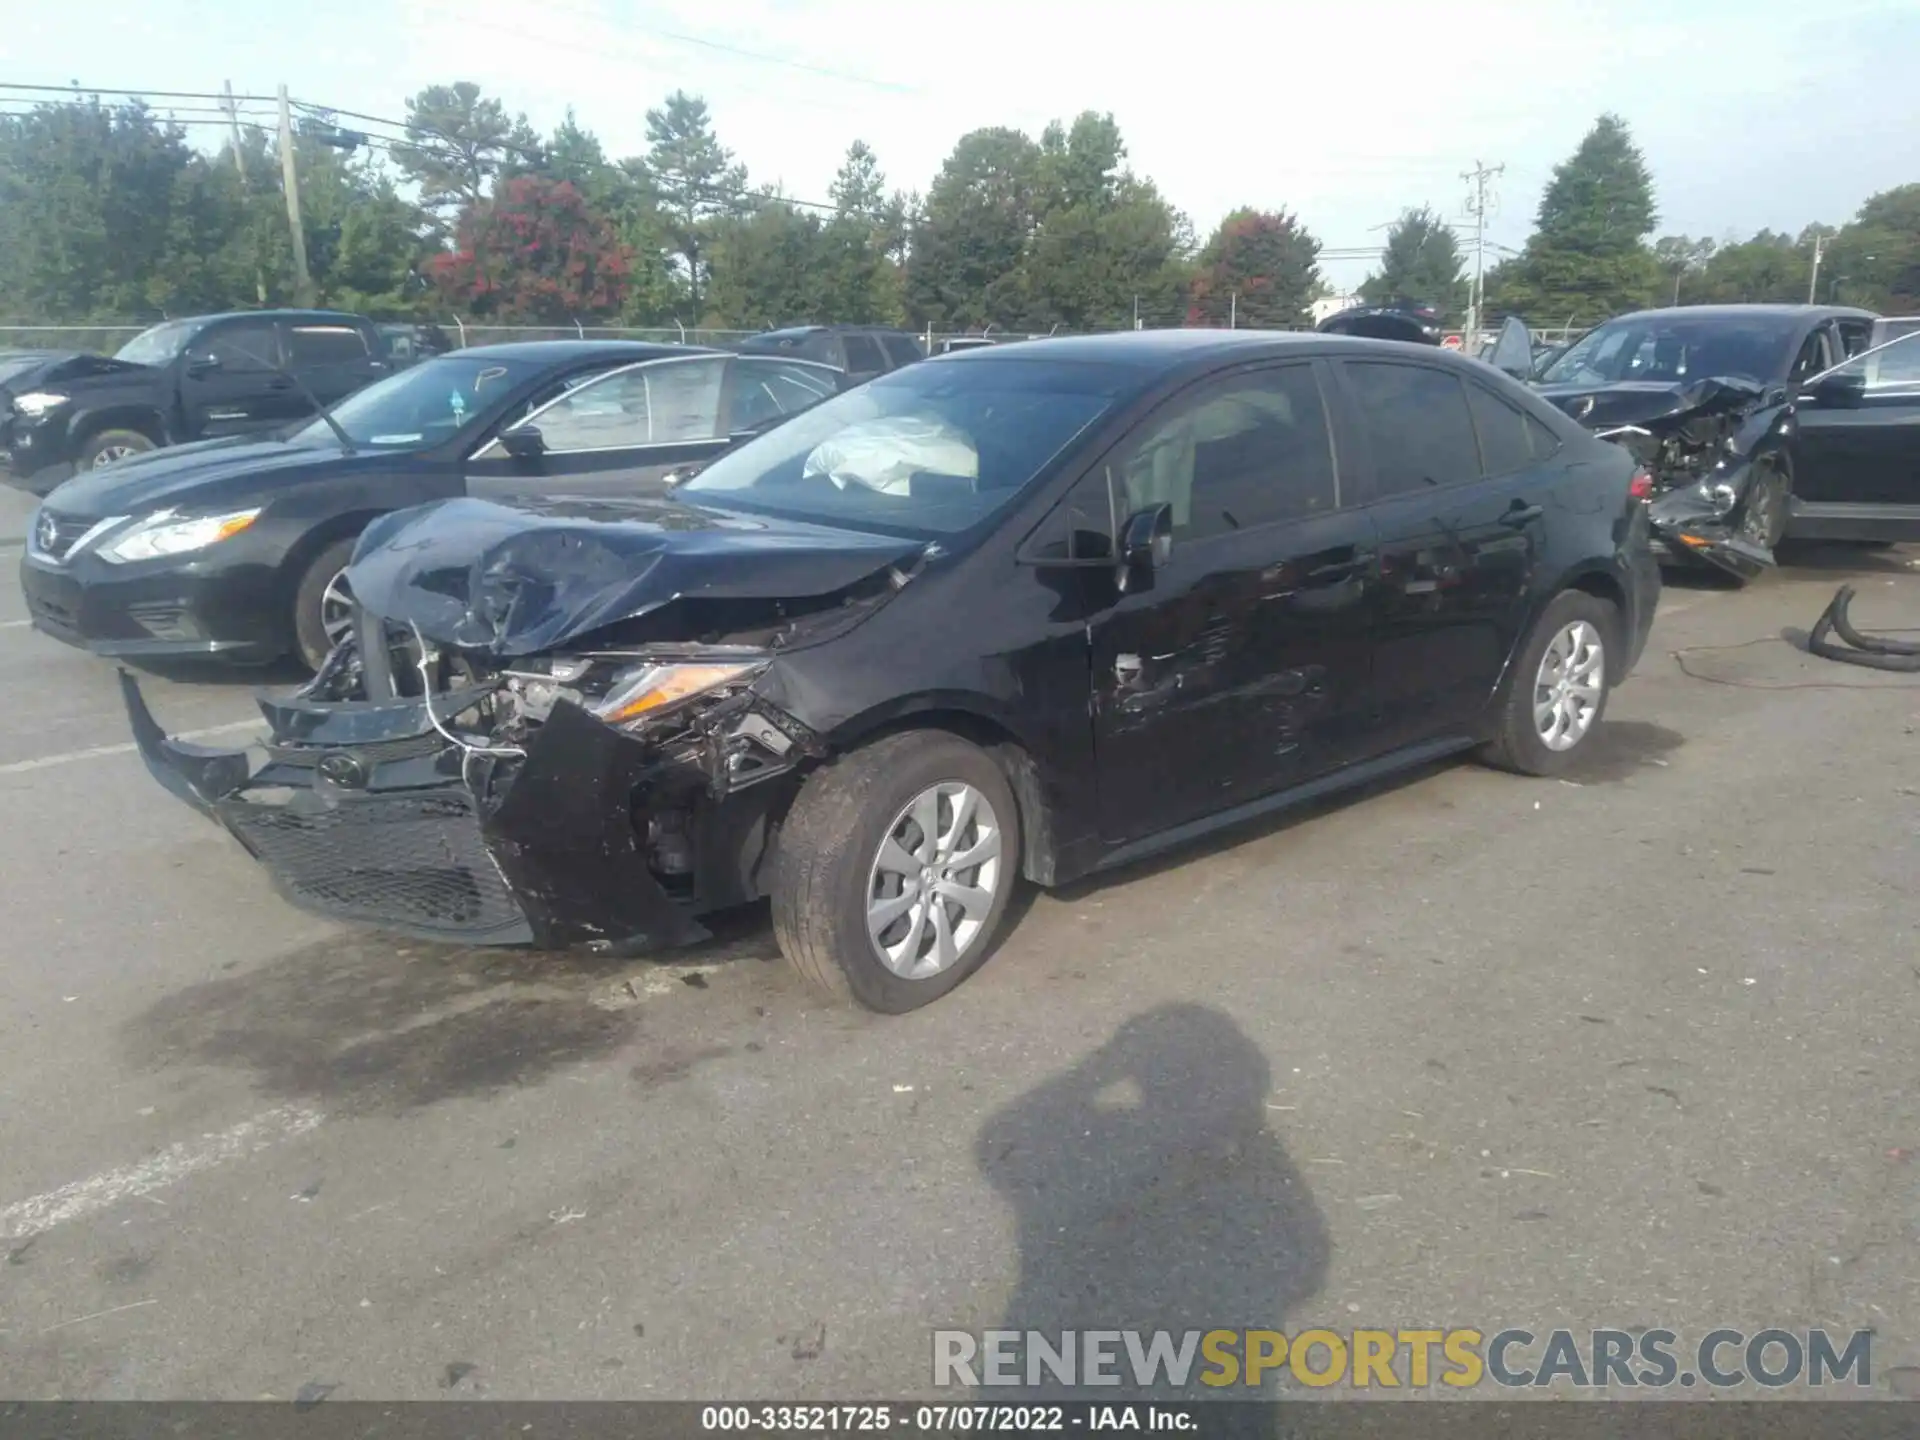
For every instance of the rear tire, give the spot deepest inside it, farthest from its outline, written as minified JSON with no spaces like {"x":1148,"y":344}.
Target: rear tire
{"x":311,"y":602}
{"x":110,"y":445}
{"x":845,"y":892}
{"x":1557,"y":694}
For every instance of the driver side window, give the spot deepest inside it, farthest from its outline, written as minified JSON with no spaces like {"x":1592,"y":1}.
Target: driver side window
{"x":1815,"y":356}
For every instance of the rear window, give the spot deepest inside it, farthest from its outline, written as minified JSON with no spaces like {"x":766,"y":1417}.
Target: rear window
{"x":325,"y":344}
{"x":1504,"y":443}
{"x":862,"y":353}
{"x":1418,"y":421}
{"x":901,"y":350}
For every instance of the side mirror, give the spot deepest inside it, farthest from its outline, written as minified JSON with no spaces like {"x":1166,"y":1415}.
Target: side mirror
{"x":201,"y":366}
{"x":1837,"y":389}
{"x":680,"y":474}
{"x":523,"y":442}
{"x":1146,"y":542}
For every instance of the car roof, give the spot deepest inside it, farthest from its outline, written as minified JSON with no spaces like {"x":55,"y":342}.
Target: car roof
{"x":333,"y":316}
{"x":1752,"y":312}
{"x":1162,"y":350}
{"x":555,"y":352}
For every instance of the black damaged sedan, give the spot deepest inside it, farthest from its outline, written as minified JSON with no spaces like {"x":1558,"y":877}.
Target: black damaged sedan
{"x":1030,"y":611}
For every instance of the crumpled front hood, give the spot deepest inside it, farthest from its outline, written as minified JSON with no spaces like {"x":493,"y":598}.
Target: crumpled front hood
{"x":518,"y":579}
{"x":1636,"y":402}
{"x":205,"y":473}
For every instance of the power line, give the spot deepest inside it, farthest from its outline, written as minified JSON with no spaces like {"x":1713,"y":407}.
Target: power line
{"x":81,"y":91}
{"x":723,"y":48}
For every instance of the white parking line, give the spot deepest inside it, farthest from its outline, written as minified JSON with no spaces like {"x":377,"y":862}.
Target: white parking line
{"x":44,"y":762}
{"x":175,"y":1163}
{"x":14,"y":624}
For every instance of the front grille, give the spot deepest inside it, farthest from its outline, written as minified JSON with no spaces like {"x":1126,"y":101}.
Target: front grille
{"x":412,"y":861}
{"x":55,"y":534}
{"x":377,"y":752}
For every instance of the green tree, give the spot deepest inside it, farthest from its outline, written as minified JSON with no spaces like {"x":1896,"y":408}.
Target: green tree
{"x":1259,"y":269}
{"x":1588,"y":254}
{"x":88,"y":197}
{"x":1682,"y":259}
{"x":696,"y":181}
{"x":457,"y":142}
{"x":860,"y":245}
{"x":768,"y":269}
{"x":1771,"y":268}
{"x":1421,"y":262}
{"x":1875,"y":259}
{"x":969,"y":247}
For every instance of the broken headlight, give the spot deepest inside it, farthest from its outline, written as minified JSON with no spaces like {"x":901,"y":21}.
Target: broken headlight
{"x":652,"y":687}
{"x":1716,"y":493}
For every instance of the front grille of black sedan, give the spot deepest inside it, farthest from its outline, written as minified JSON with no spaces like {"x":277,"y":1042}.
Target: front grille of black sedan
{"x":54,"y":535}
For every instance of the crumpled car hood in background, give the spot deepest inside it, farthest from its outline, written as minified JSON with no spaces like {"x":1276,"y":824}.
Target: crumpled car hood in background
{"x":521,"y":578}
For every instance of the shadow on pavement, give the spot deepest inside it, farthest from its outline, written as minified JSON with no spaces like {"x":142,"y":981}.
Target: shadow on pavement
{"x":1150,"y":1195}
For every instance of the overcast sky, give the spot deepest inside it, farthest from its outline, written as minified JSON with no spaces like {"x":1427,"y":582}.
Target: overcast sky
{"x":1765,"y":113}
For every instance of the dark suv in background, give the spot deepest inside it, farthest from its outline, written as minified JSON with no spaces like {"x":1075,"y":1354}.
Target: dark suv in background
{"x":863,"y":351}
{"x":181,"y":380}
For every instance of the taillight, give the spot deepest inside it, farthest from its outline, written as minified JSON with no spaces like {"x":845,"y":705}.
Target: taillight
{"x":1641,"y":486}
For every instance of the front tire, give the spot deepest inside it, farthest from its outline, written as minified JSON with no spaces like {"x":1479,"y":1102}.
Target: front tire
{"x":894,"y":870}
{"x":111,"y":445}
{"x":320,"y":604}
{"x":1769,"y":494}
{"x":1558,"y":691}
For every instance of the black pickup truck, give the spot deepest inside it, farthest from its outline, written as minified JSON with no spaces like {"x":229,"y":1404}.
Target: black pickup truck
{"x":191,"y":379}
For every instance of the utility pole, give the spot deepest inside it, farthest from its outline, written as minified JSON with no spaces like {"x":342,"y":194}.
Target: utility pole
{"x":290,"y":176}
{"x":1477,"y":212}
{"x":240,"y":164}
{"x":1233,"y":311}
{"x":1813,"y":280}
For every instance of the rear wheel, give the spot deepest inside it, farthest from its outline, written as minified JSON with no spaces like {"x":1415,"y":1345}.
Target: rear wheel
{"x":894,"y":870}
{"x":322,"y":607}
{"x":1558,"y":691}
{"x":110,"y":445}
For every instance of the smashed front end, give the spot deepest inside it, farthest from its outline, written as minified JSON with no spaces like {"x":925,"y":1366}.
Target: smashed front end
{"x":1699,"y":443}
{"x":607,"y":791}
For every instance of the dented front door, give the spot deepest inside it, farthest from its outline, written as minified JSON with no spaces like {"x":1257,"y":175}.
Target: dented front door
{"x":1236,"y":668}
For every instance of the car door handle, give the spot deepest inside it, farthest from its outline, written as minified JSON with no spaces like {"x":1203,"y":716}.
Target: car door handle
{"x":1517,"y":514}
{"x":279,"y":382}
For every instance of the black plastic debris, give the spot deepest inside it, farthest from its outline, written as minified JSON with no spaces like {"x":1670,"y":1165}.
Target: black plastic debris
{"x":1856,"y":647}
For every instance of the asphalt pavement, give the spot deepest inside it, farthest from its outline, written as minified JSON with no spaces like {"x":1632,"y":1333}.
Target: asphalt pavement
{"x":1632,"y":1049}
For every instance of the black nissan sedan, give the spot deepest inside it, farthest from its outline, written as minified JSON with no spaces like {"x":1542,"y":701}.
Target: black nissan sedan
{"x":1024,"y":612}
{"x":234,"y":548}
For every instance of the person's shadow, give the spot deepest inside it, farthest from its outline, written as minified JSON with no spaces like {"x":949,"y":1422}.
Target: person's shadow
{"x":1150,"y":1195}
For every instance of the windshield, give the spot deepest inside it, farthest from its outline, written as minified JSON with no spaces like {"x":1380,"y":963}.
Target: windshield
{"x":158,"y":345}
{"x":928,"y":450}
{"x":423,"y":405}
{"x":1675,"y":347}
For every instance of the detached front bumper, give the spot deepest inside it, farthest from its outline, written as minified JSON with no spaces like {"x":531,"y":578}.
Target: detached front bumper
{"x":1691,"y":528}
{"x":362,"y":813}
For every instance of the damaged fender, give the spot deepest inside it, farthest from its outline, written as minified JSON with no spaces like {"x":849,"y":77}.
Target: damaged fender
{"x":1701,"y":443}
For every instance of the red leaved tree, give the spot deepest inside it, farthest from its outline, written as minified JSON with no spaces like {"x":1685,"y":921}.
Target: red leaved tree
{"x":1258,"y":270}
{"x":534,"y":252}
